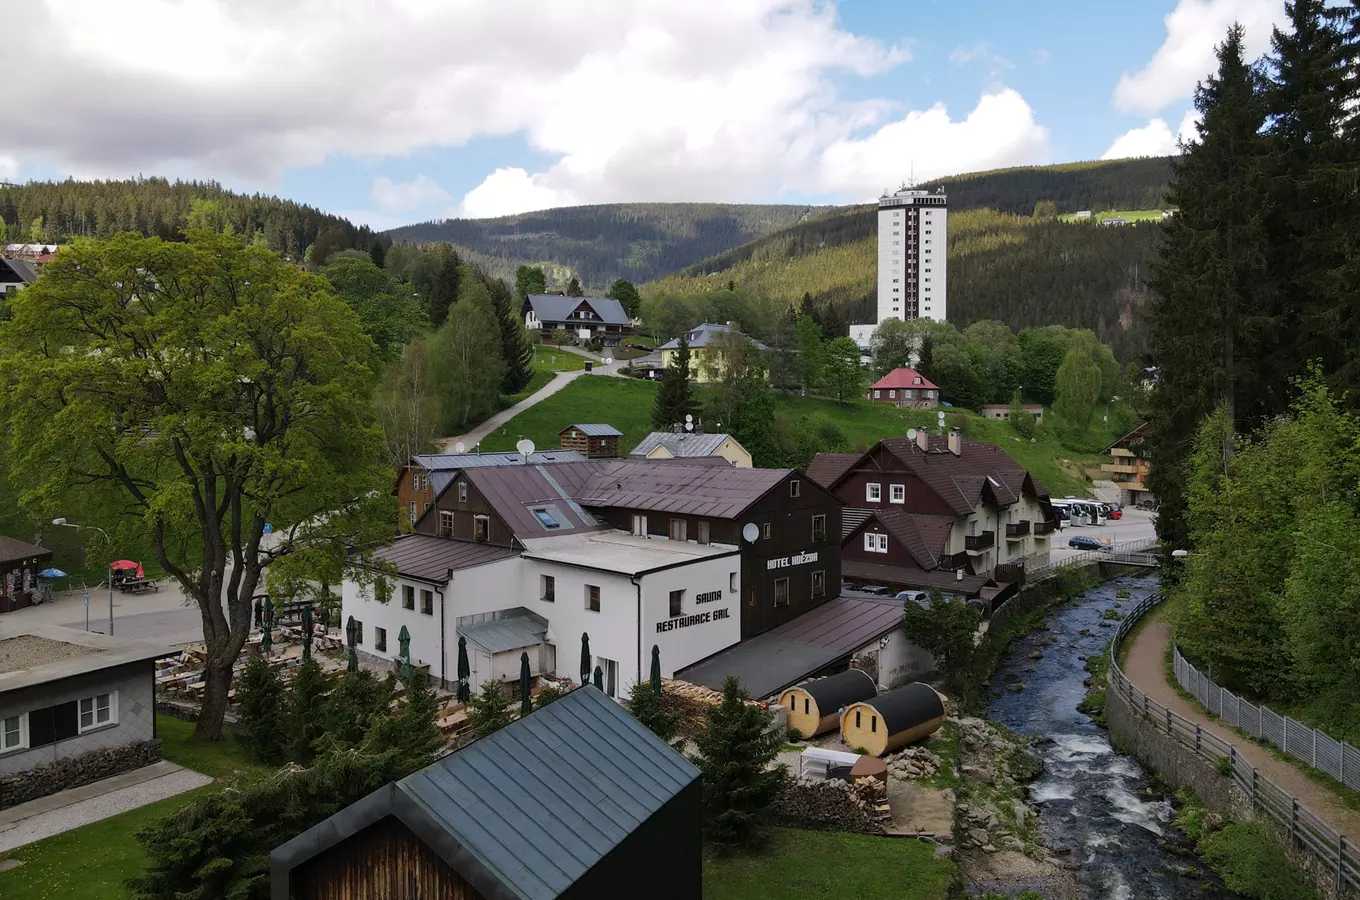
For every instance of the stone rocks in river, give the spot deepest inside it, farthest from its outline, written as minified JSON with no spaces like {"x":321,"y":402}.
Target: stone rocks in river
{"x":980,"y":774}
{"x":1105,"y":623}
{"x":1015,"y":687}
{"x":1025,"y":765}
{"x":1086,"y":631}
{"x":1037,"y":654}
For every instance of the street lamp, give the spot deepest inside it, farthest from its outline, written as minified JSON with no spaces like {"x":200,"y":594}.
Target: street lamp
{"x":1180,"y":554}
{"x":65,"y":524}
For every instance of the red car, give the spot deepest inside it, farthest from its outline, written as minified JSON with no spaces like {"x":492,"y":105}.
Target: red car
{"x":1117,"y":514}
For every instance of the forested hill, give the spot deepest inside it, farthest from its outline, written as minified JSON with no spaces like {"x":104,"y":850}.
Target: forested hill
{"x":637,"y":241}
{"x":1097,"y":185}
{"x":161,"y":208}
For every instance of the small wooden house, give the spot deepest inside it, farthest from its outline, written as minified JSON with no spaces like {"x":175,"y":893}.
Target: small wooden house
{"x":20,"y":564}
{"x":593,"y":441}
{"x":575,"y":801}
{"x":814,"y":707}
{"x":894,"y":719}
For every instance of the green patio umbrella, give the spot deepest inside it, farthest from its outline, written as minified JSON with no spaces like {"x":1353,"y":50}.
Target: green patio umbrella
{"x":585,"y":659}
{"x":526,"y":702}
{"x":267,"y":627}
{"x":656,"y":671}
{"x":464,"y":671}
{"x":307,"y":633}
{"x":352,"y":638}
{"x":599,"y":678}
{"x":404,"y":638}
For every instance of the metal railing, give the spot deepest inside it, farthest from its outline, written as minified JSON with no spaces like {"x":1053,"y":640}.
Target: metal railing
{"x":1127,"y":553}
{"x":1306,"y":830}
{"x":1337,"y":758}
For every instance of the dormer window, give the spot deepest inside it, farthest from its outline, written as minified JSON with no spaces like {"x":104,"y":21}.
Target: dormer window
{"x":916,"y":380}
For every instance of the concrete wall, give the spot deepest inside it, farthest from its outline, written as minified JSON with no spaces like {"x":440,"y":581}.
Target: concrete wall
{"x":133,"y":684}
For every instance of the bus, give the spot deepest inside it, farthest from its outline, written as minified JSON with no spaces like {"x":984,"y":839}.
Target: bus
{"x":1080,"y":511}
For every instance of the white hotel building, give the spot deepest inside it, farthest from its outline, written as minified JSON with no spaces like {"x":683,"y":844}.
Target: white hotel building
{"x":913,"y":232}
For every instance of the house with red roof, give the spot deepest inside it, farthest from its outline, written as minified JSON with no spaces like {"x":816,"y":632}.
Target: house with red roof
{"x":906,"y":388}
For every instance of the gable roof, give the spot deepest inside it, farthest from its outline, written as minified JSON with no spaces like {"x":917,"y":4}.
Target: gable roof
{"x":827,"y":468}
{"x":947,"y":581}
{"x":524,"y":813}
{"x":23,"y":270}
{"x":429,"y":558}
{"x":683,"y":445}
{"x":514,"y":492}
{"x":701,"y":336}
{"x":595,"y":430}
{"x":444,"y":466}
{"x":558,"y":307}
{"x":905,"y":378}
{"x":1127,"y":438}
{"x":12,"y":550}
{"x":924,"y":537}
{"x":719,"y":491}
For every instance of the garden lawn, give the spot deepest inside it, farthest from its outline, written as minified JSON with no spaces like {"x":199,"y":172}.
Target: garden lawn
{"x":802,"y":863}
{"x":91,"y":863}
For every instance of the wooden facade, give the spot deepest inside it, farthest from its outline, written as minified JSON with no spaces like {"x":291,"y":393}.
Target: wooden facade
{"x":590,"y":446}
{"x":884,"y":468}
{"x":458,"y":518}
{"x":385,"y":860}
{"x":414,"y":495}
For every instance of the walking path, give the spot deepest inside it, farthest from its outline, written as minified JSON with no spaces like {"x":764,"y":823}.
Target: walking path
{"x":1146,"y":669}
{"x":77,"y":807}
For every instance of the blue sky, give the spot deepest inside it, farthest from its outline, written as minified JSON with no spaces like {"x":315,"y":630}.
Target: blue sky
{"x":391,"y":111}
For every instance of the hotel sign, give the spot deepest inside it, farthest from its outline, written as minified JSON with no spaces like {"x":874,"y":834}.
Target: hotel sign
{"x":703,"y":618}
{"x":798,"y":559}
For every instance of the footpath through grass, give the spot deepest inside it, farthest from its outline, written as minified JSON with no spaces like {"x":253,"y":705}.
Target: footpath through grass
{"x":92,"y":863}
{"x":802,"y":863}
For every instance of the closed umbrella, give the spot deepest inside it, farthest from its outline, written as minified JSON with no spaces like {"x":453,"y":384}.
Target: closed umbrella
{"x":526,"y":703}
{"x":656,"y":671}
{"x":599,"y":678}
{"x":464,"y":671}
{"x":307,"y":633}
{"x":585,"y":658}
{"x":267,"y":633}
{"x":352,"y":638}
{"x":404,"y":638}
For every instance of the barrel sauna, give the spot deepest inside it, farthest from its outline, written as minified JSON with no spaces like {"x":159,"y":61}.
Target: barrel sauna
{"x":893,"y":719}
{"x":814,"y":707}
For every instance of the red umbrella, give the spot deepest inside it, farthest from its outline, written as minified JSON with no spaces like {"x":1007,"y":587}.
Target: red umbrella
{"x":118,"y":565}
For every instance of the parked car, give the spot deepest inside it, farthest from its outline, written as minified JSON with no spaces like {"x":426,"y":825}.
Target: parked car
{"x":643,"y":347}
{"x":1081,"y":542}
{"x":1116,"y":513}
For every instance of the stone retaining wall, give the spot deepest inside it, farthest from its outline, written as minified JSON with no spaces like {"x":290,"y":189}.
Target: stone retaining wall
{"x":76,"y":771}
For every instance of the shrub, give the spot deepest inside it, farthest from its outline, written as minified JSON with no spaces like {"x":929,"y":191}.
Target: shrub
{"x":259,"y":704}
{"x":489,"y":711}
{"x":646,"y":707}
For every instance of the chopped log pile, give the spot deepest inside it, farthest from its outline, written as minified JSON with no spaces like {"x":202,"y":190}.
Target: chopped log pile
{"x":690,"y":702}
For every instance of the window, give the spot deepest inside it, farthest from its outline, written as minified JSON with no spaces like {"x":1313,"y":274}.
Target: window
{"x":411,"y":512}
{"x":639,"y":525}
{"x":462,"y":492}
{"x":14,"y":733}
{"x":870,"y":543}
{"x":358,"y":632}
{"x":882,"y":543}
{"x":807,"y":706}
{"x":98,"y":711}
{"x":428,"y":504}
{"x":415,"y":479}
{"x":876,"y":396}
{"x":818,"y":584}
{"x":732,"y":582}
{"x":678,"y":529}
{"x":873,"y":492}
{"x":704,"y":532}
{"x":677,"y":603}
{"x":781,"y":592}
{"x":795,"y":488}
{"x":819,"y":527}
{"x":873,"y":724}
{"x":593,"y":597}
{"x":446,"y":523}
{"x":408,"y":597}
{"x":898,"y":493}
{"x":611,"y":675}
{"x":380,"y":639}
{"x":427,"y":602}
{"x":857,"y":718}
{"x":545,"y":518}
{"x":892,"y":395}
{"x":767,"y":531}
{"x":481,"y":528}
{"x":547,"y":588}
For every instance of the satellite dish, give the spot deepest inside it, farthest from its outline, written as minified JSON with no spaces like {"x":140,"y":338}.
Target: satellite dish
{"x":689,"y":426}
{"x":525,"y":447}
{"x":940,"y":416}
{"x":609,"y":360}
{"x":750,"y":531}
{"x":689,"y":417}
{"x":460,"y":447}
{"x":911,"y":434}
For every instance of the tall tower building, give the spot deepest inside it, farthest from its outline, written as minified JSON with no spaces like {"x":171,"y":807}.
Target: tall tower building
{"x":912,"y":243}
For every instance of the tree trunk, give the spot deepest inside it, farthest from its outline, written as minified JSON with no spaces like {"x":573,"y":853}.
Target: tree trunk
{"x":216,"y":683}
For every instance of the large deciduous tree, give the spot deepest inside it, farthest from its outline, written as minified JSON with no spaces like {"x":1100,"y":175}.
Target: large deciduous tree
{"x":623,"y":291}
{"x":843,"y":373}
{"x":187,"y":395}
{"x":530,"y":280}
{"x":390,"y":318}
{"x":466,"y":356}
{"x":742,"y":403}
{"x":407,"y":406}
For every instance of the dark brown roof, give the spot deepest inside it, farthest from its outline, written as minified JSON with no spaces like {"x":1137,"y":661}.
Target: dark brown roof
{"x":716,"y":491}
{"x":827,"y":468}
{"x":429,"y":558}
{"x":924,"y":537}
{"x":907,"y":577}
{"x":846,"y":623}
{"x":515,"y":491}
{"x":12,"y":550}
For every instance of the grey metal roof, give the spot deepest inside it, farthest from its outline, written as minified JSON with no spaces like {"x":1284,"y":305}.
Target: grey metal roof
{"x":112,"y":651}
{"x":716,"y":491}
{"x":436,"y":462}
{"x":679,"y":445}
{"x":527,"y":811}
{"x":25,"y":271}
{"x":770,"y":662}
{"x":596,"y":430}
{"x":429,"y":558}
{"x":701,"y":336}
{"x":558,"y":308}
{"x":509,"y":633}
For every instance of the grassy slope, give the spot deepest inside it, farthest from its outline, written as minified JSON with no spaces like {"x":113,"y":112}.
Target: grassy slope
{"x":92,"y":862}
{"x":830,"y":864}
{"x":627,"y":405}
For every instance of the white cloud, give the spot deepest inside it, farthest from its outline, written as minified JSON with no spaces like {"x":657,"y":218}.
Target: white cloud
{"x":1000,"y":131}
{"x":980,"y":50}
{"x":1153,"y":139}
{"x":9,"y":167}
{"x":1193,"y":29}
{"x":419,"y":193}
{"x":508,"y":191}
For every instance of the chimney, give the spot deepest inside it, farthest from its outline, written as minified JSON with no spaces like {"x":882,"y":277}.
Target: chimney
{"x":923,"y":440}
{"x":955,"y":442}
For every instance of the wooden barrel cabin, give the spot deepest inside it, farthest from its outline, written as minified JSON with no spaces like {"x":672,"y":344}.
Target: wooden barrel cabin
{"x":815,"y":707}
{"x":894,"y":719}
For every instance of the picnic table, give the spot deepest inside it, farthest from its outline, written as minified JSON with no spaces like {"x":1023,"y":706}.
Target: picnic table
{"x":138,"y":585}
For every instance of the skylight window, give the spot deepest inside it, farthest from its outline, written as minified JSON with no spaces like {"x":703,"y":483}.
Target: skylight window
{"x":994,"y":482}
{"x":546,"y":518}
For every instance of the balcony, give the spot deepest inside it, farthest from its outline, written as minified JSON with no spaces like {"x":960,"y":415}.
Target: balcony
{"x":1042,"y":529}
{"x":1016,"y":531}
{"x":977,"y":543}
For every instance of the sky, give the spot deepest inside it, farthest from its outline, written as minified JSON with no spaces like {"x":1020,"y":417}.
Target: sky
{"x":397,"y":111}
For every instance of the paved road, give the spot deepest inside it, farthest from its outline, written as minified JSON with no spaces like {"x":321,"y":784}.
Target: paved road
{"x":1146,"y":669}
{"x":1136,"y":525}
{"x":162,"y":615}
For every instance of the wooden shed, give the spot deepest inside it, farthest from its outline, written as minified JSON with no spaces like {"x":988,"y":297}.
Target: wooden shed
{"x":576,"y":801}
{"x":594,"y":441}
{"x":814,"y":707}
{"x":894,"y":719}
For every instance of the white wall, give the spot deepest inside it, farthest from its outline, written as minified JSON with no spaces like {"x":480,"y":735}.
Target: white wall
{"x":900,"y":661}
{"x":932,"y":262}
{"x":358,"y":602}
{"x":720,"y":627}
{"x":891,"y":257}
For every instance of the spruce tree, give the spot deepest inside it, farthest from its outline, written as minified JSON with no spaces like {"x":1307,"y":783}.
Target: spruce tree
{"x":623,"y":291}
{"x":306,"y":712}
{"x":352,"y":705}
{"x":377,"y":253}
{"x":647,"y":708}
{"x":444,"y":292}
{"x":516,"y":351}
{"x":419,"y":737}
{"x":574,"y":287}
{"x":1212,"y":317}
{"x":489,"y":711}
{"x":675,"y":400}
{"x":259,"y":704}
{"x":736,"y":750}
